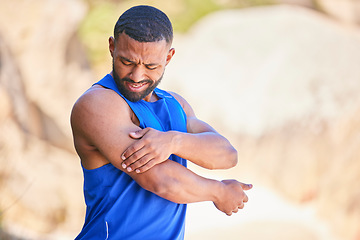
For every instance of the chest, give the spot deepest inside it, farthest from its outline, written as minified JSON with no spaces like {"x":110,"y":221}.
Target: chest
{"x":162,"y":115}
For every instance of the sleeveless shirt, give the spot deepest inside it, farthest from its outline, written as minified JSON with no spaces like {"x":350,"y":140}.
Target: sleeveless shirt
{"x":116,"y":206}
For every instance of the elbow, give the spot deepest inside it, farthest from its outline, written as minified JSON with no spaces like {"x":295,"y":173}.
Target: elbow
{"x":158,"y":183}
{"x":233,"y":158}
{"x":168,"y":189}
{"x":153,"y":185}
{"x":159,"y":188}
{"x":225,"y":161}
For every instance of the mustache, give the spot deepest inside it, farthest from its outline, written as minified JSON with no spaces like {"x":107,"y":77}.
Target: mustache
{"x":139,"y":82}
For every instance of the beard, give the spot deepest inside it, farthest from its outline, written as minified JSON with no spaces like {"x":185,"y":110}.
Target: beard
{"x":135,"y":96}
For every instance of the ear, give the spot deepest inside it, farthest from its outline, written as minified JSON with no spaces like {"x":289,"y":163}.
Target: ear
{"x":170,"y":55}
{"x":111,"y":46}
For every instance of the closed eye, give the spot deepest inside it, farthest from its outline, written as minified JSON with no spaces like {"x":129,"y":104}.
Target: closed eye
{"x":151,"y":66}
{"x":126,"y":61}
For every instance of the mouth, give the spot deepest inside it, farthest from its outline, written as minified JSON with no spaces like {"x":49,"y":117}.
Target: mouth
{"x":136,"y":87}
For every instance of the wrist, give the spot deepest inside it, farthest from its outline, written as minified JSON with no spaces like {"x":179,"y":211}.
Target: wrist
{"x":175,"y":141}
{"x":219,"y":188}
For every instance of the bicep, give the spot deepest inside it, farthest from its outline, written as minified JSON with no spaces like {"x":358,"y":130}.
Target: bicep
{"x":106,"y":129}
{"x":103,"y":127}
{"x":112,"y":139}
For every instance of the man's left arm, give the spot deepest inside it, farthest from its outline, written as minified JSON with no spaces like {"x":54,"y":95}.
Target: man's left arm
{"x":202,"y":145}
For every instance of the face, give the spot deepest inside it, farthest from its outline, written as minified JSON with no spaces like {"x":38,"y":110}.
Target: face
{"x":138,"y":67}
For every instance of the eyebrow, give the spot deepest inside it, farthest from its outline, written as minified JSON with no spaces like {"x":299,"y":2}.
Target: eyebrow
{"x":126,"y":59}
{"x":147,"y":65}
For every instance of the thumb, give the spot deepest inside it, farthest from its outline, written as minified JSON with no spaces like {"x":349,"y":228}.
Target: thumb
{"x":246,"y":186}
{"x":138,"y":134}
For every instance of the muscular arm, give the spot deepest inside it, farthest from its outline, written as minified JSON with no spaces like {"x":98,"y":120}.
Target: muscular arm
{"x":201,"y":145}
{"x":101,"y":123}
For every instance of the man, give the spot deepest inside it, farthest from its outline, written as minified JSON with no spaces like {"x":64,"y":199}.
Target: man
{"x":133,"y":139}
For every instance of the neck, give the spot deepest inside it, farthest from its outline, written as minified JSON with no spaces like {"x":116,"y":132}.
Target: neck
{"x":152,"y":97}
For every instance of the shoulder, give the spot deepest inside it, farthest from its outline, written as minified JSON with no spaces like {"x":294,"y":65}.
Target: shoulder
{"x":98,"y":102}
{"x":184,"y":104}
{"x":177,"y":97}
{"x":100,"y":98}
{"x":99,"y":95}
{"x":194,"y":125}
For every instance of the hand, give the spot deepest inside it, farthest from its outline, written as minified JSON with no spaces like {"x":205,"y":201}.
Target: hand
{"x":152,"y":147}
{"x":233,"y":197}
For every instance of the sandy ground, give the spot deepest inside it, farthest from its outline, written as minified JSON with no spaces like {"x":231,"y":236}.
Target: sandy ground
{"x":267,"y":216}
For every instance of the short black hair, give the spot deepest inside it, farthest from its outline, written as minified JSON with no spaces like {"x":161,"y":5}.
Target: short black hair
{"x":144,"y":24}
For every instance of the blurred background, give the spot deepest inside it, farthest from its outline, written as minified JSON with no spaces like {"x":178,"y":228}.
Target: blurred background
{"x":279,"y":78}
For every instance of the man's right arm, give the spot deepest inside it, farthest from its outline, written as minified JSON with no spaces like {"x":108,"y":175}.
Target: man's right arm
{"x":101,"y":123}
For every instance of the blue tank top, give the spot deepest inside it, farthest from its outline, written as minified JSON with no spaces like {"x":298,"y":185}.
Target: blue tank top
{"x":116,"y":206}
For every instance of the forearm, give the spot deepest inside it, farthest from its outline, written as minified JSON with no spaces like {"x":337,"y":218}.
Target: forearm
{"x":176,"y":183}
{"x":208,"y":149}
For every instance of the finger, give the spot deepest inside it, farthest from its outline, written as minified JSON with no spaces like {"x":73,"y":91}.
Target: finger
{"x":246,"y":199}
{"x":136,"y":146}
{"x":141,"y":161}
{"x":236,"y":210}
{"x":241,"y":206}
{"x":136,"y":160}
{"x":139,"y":134}
{"x":246,"y":186}
{"x":146,"y":167}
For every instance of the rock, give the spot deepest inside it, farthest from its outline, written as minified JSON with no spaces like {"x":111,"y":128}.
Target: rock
{"x":46,"y":49}
{"x":267,"y":67}
{"x":343,"y":171}
{"x":283,"y":83}
{"x":348,"y":11}
{"x":43,"y":70}
{"x":303,"y":3}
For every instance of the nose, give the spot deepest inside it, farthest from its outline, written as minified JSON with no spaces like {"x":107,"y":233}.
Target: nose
{"x":137,"y":73}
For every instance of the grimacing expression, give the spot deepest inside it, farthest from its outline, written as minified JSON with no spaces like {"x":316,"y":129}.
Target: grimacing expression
{"x":138,"y":67}
{"x":134,"y":96}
